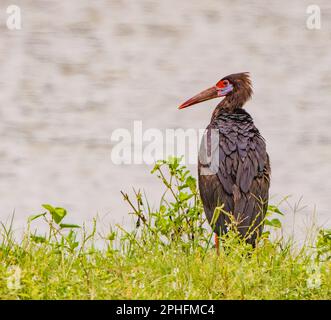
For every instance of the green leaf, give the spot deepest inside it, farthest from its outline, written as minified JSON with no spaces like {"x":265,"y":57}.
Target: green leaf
{"x":171,"y":160}
{"x":38,"y":239}
{"x":273,"y":223}
{"x":162,"y":209}
{"x":274,"y":209}
{"x":191,"y":183}
{"x":266,"y":234}
{"x":111,"y":236}
{"x":57,"y":213}
{"x":158,"y":165}
{"x":74,"y":245}
{"x":66,"y":225}
{"x":48,"y":207}
{"x":36,"y":216}
{"x":184,"y":196}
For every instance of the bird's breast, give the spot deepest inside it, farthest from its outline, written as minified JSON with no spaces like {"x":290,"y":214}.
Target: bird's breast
{"x":233,"y":149}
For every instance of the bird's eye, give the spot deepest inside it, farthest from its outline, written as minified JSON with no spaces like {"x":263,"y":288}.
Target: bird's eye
{"x":225,"y":83}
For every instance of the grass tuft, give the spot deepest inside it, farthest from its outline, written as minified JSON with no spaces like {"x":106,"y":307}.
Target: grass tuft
{"x":168,"y":254}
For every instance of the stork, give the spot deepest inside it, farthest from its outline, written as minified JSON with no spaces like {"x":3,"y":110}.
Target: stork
{"x":237,"y":175}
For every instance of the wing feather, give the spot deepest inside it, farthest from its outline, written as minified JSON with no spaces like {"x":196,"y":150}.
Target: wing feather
{"x":243,"y":178}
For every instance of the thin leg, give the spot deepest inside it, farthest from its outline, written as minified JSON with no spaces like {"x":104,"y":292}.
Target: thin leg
{"x":217,"y":244}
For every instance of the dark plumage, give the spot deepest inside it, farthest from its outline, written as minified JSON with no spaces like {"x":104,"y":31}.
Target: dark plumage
{"x":241,"y":181}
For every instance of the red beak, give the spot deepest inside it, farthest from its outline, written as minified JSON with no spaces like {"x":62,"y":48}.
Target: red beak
{"x":205,"y":95}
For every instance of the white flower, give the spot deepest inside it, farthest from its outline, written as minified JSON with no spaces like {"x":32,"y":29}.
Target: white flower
{"x":314,"y":281}
{"x":175,"y":271}
{"x":313,"y":268}
{"x":189,"y":289}
{"x":14,"y":278}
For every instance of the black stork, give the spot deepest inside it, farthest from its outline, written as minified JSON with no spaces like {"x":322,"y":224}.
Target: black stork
{"x":237,"y":174}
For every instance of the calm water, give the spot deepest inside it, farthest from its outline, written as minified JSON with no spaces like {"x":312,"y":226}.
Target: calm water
{"x":79,"y":70}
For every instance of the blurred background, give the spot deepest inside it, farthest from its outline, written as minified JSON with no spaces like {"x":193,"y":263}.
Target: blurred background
{"x":78,"y":70}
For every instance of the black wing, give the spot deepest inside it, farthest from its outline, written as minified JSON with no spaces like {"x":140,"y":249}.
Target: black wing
{"x":243,"y":177}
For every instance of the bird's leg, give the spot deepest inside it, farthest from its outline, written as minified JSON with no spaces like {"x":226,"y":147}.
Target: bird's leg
{"x":217,"y":244}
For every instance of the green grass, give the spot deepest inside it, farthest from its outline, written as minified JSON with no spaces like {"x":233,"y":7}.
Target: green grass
{"x":168,"y":254}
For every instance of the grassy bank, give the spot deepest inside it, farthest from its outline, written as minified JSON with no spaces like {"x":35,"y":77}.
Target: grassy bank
{"x":168,"y":254}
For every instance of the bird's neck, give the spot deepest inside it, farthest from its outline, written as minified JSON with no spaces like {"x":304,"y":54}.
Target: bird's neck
{"x":230,"y":104}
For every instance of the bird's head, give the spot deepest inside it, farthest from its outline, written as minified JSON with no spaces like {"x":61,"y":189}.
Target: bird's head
{"x":237,"y":87}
